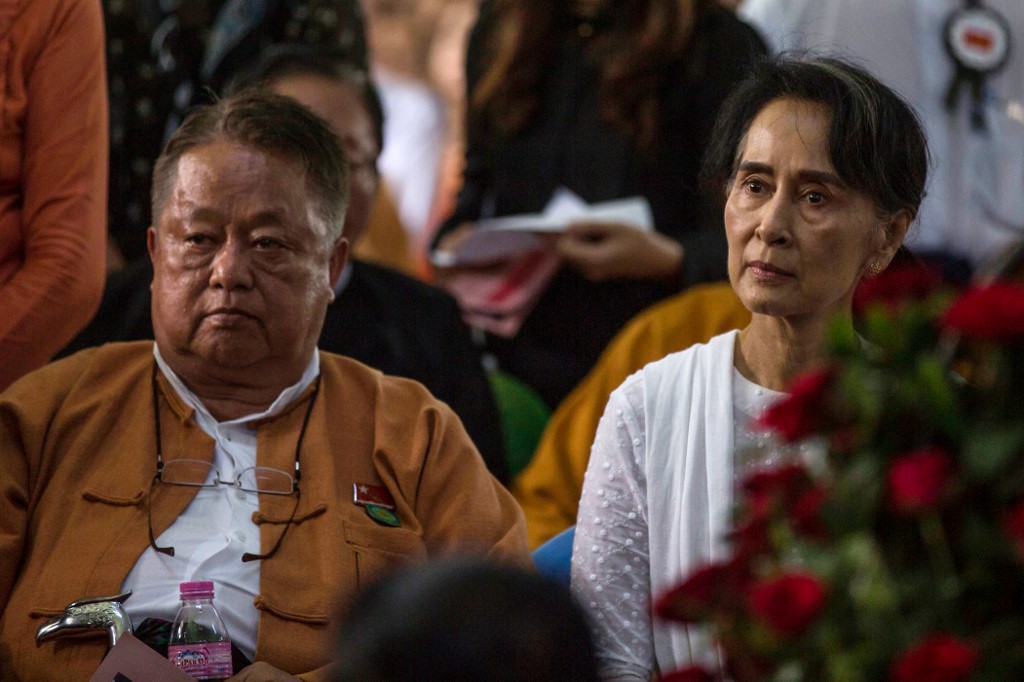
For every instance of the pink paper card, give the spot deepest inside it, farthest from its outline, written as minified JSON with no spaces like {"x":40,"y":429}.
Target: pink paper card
{"x":132,"y":661}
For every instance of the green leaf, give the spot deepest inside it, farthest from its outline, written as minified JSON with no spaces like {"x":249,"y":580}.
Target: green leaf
{"x":990,"y":448}
{"x":841,"y":340}
{"x":935,"y":387}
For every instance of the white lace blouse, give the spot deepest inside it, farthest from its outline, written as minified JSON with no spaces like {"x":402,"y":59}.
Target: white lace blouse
{"x":615,"y":549}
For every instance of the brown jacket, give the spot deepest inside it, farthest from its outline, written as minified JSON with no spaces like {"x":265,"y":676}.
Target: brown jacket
{"x":77,"y":457}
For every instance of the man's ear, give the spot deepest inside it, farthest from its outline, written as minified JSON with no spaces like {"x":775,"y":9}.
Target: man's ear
{"x":339,"y":257}
{"x":151,"y":246}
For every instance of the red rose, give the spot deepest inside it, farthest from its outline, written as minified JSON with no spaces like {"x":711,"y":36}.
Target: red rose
{"x":694,"y":673}
{"x":788,"y":488}
{"x":788,"y":603}
{"x":782,"y":482}
{"x":938,"y":658}
{"x":896,"y":287}
{"x":916,"y":480}
{"x":845,"y":439}
{"x":1013,"y":526}
{"x":798,"y":415}
{"x":994,"y":312}
{"x":804,"y":513}
{"x":750,"y":538}
{"x":700,"y":593}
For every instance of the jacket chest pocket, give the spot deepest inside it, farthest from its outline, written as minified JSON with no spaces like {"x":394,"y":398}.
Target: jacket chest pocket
{"x":325,"y":560}
{"x":379,"y":550}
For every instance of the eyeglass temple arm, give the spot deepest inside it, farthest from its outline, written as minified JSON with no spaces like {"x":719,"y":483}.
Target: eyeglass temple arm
{"x":249,"y":556}
{"x":169,"y":551}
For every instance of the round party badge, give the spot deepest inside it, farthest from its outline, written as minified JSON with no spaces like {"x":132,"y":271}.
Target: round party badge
{"x":978,"y":37}
{"x":381,"y":515}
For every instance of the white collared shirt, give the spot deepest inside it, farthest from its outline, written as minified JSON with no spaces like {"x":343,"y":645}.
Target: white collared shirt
{"x":216,"y":529}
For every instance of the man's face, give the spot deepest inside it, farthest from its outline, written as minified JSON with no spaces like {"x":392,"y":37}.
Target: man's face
{"x":242,"y":267}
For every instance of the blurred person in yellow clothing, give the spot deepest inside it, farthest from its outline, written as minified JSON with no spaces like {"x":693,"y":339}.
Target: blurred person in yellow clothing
{"x":549,"y":488}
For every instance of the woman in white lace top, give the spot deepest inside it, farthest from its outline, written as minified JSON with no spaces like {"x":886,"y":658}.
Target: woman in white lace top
{"x":824,"y":170}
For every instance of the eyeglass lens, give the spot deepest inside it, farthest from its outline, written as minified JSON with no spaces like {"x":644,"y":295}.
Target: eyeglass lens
{"x":259,"y":479}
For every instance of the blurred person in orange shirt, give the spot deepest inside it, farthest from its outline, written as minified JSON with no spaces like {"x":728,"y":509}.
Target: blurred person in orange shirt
{"x":53,"y":177}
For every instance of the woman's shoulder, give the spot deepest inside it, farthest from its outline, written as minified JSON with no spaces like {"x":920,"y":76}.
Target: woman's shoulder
{"x":699,"y":353}
{"x":677,"y":369}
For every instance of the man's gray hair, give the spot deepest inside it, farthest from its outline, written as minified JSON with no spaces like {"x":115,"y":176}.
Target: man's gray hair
{"x":270,"y":123}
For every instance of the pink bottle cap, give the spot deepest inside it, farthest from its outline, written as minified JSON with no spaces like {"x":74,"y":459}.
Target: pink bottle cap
{"x":198,"y":589}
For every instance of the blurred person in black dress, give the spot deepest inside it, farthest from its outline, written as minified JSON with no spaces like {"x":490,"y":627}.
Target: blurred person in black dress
{"x":164,"y":56}
{"x":609,"y":99}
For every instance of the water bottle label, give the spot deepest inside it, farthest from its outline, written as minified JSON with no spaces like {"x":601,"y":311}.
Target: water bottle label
{"x":202,"y":660}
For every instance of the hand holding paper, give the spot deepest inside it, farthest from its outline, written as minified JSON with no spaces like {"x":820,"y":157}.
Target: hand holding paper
{"x":500,"y":269}
{"x":507,"y":237}
{"x":604,"y":251}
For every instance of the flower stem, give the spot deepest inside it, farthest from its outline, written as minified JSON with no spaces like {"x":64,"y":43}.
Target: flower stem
{"x":947,"y":581}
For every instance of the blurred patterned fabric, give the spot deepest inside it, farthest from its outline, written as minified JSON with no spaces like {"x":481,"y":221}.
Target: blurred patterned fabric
{"x":165,"y":55}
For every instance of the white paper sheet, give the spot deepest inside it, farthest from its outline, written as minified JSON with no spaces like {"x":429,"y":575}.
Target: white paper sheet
{"x":508,"y":236}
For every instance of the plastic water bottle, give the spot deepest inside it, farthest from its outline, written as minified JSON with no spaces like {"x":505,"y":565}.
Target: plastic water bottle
{"x":199,"y":643}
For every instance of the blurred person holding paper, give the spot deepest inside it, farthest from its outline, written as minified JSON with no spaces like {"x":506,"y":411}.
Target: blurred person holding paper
{"x":608,"y":99}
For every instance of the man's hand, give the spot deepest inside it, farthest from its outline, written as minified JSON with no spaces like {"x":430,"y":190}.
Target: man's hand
{"x":262,"y":672}
{"x":603,"y":251}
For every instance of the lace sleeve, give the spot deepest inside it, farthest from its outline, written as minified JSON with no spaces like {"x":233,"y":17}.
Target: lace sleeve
{"x":610,"y":569}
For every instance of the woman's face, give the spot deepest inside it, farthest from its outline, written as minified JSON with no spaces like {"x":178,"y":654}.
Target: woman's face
{"x":799,"y":239}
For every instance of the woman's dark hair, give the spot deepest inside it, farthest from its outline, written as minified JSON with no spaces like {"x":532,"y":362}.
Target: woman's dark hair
{"x":646,"y":36}
{"x":270,"y":123}
{"x":282,"y":61}
{"x":463,"y":620}
{"x":876,"y":143}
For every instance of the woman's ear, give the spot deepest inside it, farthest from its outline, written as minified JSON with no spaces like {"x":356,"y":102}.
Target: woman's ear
{"x":894,"y":231}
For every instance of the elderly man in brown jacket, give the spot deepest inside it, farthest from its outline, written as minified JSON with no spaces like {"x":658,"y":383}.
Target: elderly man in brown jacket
{"x":232,"y":449}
